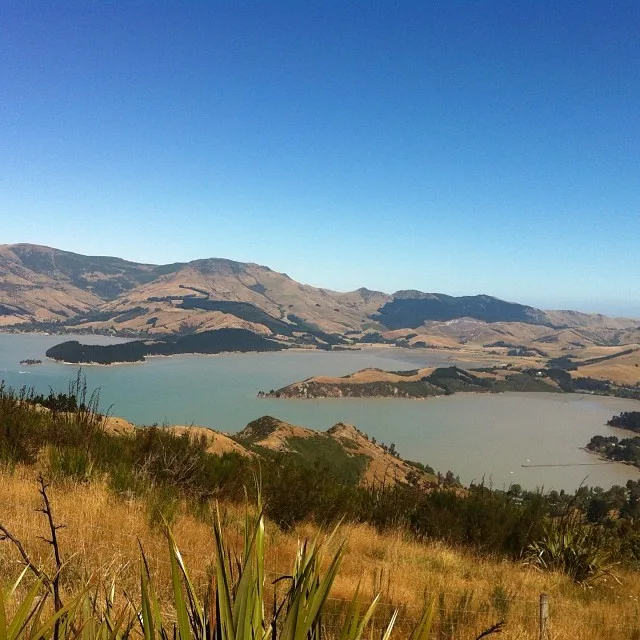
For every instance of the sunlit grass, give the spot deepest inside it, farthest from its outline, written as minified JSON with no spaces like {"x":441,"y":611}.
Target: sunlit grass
{"x":103,"y":535}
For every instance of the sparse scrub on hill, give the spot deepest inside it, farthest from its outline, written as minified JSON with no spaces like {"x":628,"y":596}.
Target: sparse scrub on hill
{"x":348,"y":469}
{"x":315,"y":482}
{"x":29,"y":421}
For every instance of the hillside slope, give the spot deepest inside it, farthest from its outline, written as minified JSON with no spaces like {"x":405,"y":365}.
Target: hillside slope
{"x":193,"y":295}
{"x":413,"y":308}
{"x":41,"y":284}
{"x":42,"y":288}
{"x":343,"y":446}
{"x":46,"y":293}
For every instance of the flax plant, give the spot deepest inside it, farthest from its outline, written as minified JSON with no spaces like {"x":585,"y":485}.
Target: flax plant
{"x":581,"y":551}
{"x":234,"y":608}
{"x":27,"y":621}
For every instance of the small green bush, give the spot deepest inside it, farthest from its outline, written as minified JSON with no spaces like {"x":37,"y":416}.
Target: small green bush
{"x":70,"y":463}
{"x":582,"y":551}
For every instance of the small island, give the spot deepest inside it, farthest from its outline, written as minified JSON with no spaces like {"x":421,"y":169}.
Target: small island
{"x":629,"y":420}
{"x":30,"y":362}
{"x":619,"y":449}
{"x":417,"y":383}
{"x":207,"y":342}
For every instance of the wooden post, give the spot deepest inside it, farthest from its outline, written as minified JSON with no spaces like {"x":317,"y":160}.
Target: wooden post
{"x":544,"y":615}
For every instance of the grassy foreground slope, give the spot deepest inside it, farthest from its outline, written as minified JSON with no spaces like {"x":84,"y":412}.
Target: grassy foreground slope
{"x":464,"y":548}
{"x":471,"y":591}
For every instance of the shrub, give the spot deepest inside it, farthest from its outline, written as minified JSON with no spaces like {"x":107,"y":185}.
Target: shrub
{"x":69,"y":462}
{"x":581,"y":551}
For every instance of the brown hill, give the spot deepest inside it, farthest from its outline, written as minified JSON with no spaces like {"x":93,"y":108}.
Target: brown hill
{"x":623,"y":369}
{"x":274,"y":293}
{"x":44,"y":284}
{"x":49,"y":289}
{"x":419,"y":383}
{"x":45,"y":294}
{"x":217,"y":442}
{"x":342,"y":445}
{"x":471,"y":337}
{"x":383,"y":468}
{"x":272,"y":433}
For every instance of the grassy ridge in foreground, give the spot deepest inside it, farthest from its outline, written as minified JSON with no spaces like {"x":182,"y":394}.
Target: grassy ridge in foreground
{"x":233,"y":609}
{"x":162,"y":468}
{"x":471,"y":591}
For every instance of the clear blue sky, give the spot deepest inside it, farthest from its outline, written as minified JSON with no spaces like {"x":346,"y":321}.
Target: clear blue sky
{"x":459,"y":147}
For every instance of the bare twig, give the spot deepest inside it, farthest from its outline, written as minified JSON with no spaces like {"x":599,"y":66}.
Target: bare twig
{"x":5,"y":534}
{"x":497,"y":628}
{"x":53,"y":528}
{"x":52,"y":583}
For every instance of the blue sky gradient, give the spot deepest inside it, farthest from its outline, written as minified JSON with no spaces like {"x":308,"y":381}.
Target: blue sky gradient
{"x":458,"y":147}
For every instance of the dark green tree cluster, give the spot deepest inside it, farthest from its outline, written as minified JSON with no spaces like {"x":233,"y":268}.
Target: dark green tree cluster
{"x":626,"y":420}
{"x":217,"y":341}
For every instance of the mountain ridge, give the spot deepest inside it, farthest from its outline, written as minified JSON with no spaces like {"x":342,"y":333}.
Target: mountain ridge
{"x":43,"y":288}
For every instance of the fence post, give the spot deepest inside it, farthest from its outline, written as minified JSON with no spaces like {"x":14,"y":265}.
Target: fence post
{"x":544,"y":615}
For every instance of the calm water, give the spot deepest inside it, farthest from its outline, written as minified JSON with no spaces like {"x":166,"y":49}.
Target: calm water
{"x":474,"y":435}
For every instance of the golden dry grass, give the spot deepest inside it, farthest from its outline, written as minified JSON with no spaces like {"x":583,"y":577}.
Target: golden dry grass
{"x":217,"y":442}
{"x":102,"y":532}
{"x":621,"y":370}
{"x":119,"y":426}
{"x":365,"y":376}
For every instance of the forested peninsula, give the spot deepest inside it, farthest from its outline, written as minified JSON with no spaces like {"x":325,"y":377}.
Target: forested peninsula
{"x":620,"y":449}
{"x":418,"y":383}
{"x":629,"y":420}
{"x":207,"y":342}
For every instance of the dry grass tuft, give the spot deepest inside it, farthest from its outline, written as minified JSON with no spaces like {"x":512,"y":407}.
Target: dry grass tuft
{"x":472,"y":592}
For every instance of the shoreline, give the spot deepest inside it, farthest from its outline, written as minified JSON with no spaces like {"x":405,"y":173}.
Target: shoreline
{"x":606,"y":460}
{"x":94,"y":364}
{"x":170,"y":355}
{"x":296,"y":349}
{"x":578,"y":396}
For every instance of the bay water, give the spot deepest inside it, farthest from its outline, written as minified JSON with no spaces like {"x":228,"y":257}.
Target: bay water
{"x":533,"y":439}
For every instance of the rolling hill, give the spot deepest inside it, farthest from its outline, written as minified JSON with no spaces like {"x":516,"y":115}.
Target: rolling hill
{"x":360,"y":459}
{"x":343,"y":447}
{"x":413,"y":308}
{"x":42,"y":288}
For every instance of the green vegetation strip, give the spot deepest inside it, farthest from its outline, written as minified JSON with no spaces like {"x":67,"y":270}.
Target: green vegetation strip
{"x":318,"y":481}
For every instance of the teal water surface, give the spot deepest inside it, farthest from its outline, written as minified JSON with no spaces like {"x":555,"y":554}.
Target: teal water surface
{"x":474,"y":435}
